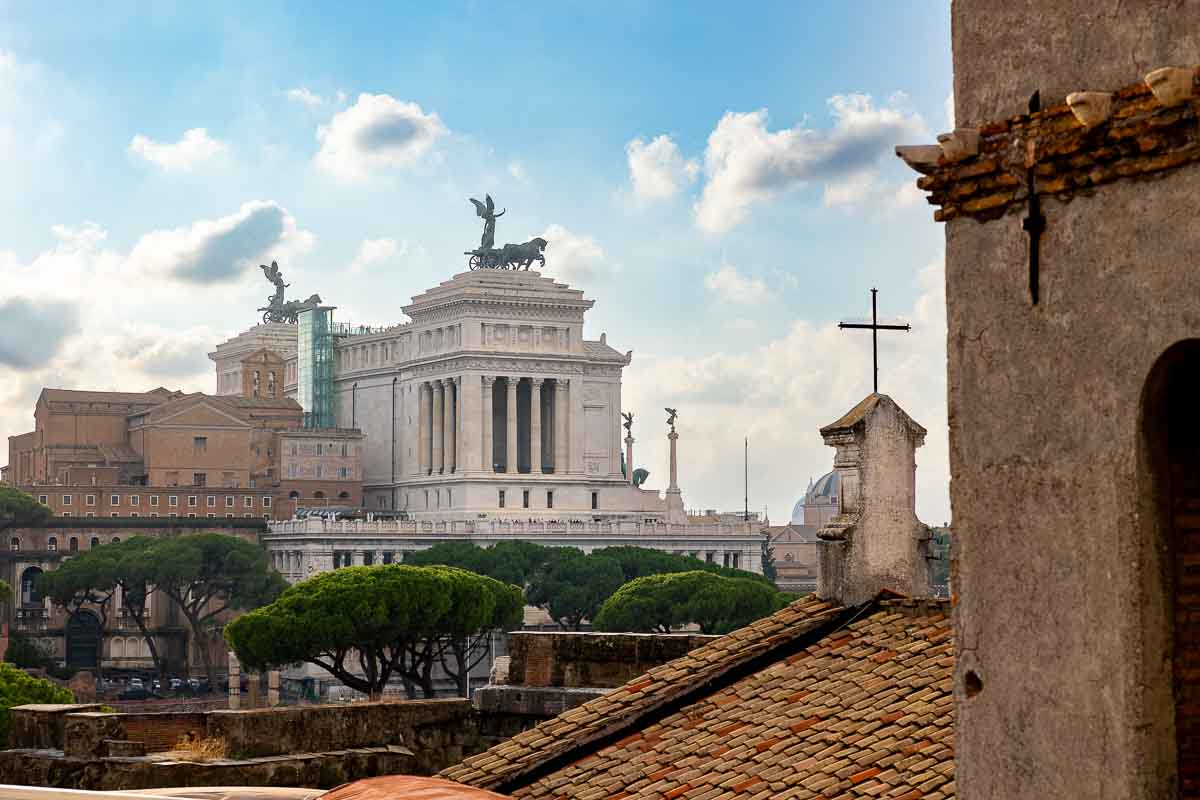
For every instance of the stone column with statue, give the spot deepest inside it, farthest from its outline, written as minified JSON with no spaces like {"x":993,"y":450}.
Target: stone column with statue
{"x":628,"y":415}
{"x":676,"y":514}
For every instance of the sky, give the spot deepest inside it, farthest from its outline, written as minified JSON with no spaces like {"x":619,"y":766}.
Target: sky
{"x":721,"y":183}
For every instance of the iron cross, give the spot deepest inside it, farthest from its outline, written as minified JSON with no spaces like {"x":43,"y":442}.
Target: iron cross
{"x":875,"y":328}
{"x":1035,"y":222}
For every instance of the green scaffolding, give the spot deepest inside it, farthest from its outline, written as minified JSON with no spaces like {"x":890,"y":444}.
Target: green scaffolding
{"x":314,"y":360}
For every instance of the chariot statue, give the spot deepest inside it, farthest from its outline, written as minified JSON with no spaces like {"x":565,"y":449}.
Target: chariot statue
{"x":510,"y":256}
{"x":277,"y":309}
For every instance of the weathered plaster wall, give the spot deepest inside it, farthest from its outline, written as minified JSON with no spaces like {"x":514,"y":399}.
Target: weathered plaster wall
{"x":1004,"y":51}
{"x":1059,"y":578}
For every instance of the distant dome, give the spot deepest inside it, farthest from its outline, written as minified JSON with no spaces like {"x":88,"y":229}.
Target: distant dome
{"x":823,"y":491}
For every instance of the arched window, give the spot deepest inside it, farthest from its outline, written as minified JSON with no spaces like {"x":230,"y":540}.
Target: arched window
{"x":117,"y":646}
{"x":52,"y":544}
{"x":30,"y":594}
{"x":14,"y":543}
{"x":116,"y":540}
{"x":319,"y":495}
{"x":1169,"y":496}
{"x":293,"y":495}
{"x":343,"y":495}
{"x":74,"y":544}
{"x":95,"y":541}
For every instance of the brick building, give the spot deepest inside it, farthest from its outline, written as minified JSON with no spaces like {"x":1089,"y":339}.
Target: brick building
{"x":86,"y":639}
{"x":169,"y":454}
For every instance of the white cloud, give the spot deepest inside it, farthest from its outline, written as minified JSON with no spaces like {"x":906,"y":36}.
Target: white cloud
{"x":658,"y":170}
{"x":304,"y":97}
{"x":745,"y":164}
{"x":570,"y":257}
{"x":731,"y":286}
{"x":373,"y":251}
{"x":851,"y":191}
{"x":779,"y":394}
{"x":32,"y":332}
{"x":378,"y":131}
{"x":195,"y":148}
{"x":220,"y":250}
{"x":908,"y":195}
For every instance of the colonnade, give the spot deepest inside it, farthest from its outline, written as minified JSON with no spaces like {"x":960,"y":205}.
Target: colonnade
{"x":446,"y":444}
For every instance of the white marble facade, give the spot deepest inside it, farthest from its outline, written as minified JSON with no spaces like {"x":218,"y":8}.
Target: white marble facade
{"x":447,"y":403}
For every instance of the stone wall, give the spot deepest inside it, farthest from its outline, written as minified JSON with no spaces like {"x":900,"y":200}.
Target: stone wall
{"x":594,"y":660}
{"x":77,"y":746}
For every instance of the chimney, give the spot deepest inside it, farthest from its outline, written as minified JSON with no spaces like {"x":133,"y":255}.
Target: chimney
{"x":875,"y":541}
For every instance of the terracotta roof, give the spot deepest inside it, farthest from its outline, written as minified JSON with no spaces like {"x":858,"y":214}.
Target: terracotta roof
{"x":158,"y":395}
{"x":813,"y":702}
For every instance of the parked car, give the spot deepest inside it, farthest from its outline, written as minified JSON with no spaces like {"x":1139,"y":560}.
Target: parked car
{"x":136,"y":683}
{"x":175,"y":683}
{"x":137,"y":693}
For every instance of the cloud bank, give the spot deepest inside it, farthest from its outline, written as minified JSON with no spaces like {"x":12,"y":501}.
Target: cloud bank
{"x":194,"y":149}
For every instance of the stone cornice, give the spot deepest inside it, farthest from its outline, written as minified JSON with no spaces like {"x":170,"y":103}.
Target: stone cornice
{"x":492,"y":362}
{"x":1072,"y":147}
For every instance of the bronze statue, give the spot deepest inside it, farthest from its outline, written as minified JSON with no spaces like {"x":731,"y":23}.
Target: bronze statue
{"x":671,"y":415}
{"x":639,"y":477}
{"x":628,"y":422}
{"x":277,"y":310}
{"x":520,"y":256}
{"x":488,"y":212}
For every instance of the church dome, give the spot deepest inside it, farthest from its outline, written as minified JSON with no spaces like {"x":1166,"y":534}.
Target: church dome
{"x":823,"y":491}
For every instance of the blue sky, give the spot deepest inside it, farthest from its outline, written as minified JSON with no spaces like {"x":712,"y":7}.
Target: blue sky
{"x":717,"y":177}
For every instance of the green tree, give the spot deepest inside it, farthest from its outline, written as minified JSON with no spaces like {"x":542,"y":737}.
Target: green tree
{"x":715,"y":603}
{"x":18,"y":688}
{"x":473,"y":616}
{"x":87,"y":580}
{"x":508,"y":562}
{"x":204,"y":575}
{"x":28,"y":653}
{"x":20,"y":509}
{"x":571,"y":586}
{"x":638,"y":562}
{"x":364,"y":625}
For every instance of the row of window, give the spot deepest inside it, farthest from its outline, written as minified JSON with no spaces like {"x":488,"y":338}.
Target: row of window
{"x":345,"y":558}
{"x":322,"y":449}
{"x":135,"y":500}
{"x":154,"y":515}
{"x":14,"y":544}
{"x":501,"y":500}
{"x":294,"y":471}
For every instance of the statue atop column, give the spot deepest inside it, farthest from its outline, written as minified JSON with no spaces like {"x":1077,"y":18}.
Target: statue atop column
{"x":671,"y":415}
{"x":628,"y":422}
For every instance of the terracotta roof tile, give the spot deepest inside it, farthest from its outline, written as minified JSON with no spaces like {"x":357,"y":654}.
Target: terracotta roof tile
{"x":866,"y":711}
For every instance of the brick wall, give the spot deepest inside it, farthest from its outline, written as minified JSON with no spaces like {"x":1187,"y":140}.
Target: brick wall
{"x":592,"y":660}
{"x":161,"y":731}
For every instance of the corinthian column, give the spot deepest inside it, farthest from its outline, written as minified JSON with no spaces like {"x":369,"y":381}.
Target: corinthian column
{"x":511,"y":413}
{"x":448,"y":435}
{"x":423,"y":412}
{"x":439,"y":397}
{"x":560,"y":426}
{"x":488,"y":459}
{"x":535,"y":425}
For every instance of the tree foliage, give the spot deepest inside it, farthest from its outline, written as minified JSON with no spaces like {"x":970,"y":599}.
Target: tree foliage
{"x":18,"y":508}
{"x":365,"y":625}
{"x":206,"y":573}
{"x":567,"y":584}
{"x":18,"y":688}
{"x":716,"y":603}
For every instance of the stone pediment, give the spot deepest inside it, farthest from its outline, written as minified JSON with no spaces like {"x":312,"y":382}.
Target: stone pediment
{"x":516,"y":293}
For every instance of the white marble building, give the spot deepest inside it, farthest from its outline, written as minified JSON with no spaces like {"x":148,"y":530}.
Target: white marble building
{"x":490,"y":416}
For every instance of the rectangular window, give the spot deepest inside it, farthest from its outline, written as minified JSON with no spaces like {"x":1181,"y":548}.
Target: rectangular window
{"x":66,"y":513}
{"x":229,"y":500}
{"x":368,"y":558}
{"x":549,"y":498}
{"x":173,"y":500}
{"x":247,"y":502}
{"x":133,"y":513}
{"x":227,"y":516}
{"x":733,"y":560}
{"x":502,"y":498}
{"x":44,"y":499}
{"x":293,"y":449}
{"x":266,"y":502}
{"x":319,"y":448}
{"x":114,"y":499}
{"x":595,"y":500}
{"x":320,"y":471}
{"x":153,"y":501}
{"x":343,"y":472}
{"x":135,"y":500}
{"x":200,"y":444}
{"x":89,"y":499}
{"x":266,"y":516}
{"x":345,"y":450}
{"x":113,"y":514}
{"x":172,"y":479}
{"x":387,"y":557}
{"x":212,"y":516}
{"x":66,"y":500}
{"x":291,"y":470}
{"x":525,"y":498}
{"x":154,"y":514}
{"x":212,"y":501}
{"x":193,"y":501}
{"x":90,"y":514}
{"x":172,"y":514}
{"x":192,"y":515}
{"x":199,"y":479}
